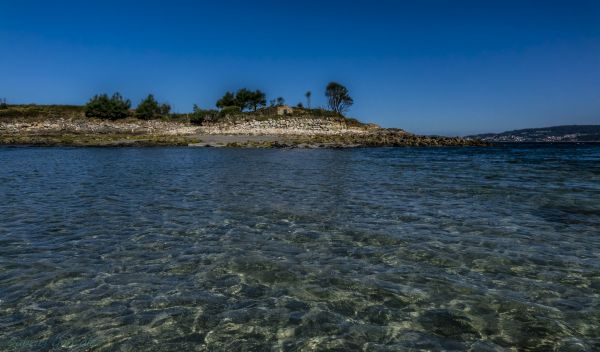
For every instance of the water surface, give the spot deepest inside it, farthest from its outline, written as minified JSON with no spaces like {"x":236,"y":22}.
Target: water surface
{"x":182,"y":249}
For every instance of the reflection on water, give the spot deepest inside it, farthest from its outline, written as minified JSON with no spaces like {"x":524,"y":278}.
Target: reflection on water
{"x":370,"y":249}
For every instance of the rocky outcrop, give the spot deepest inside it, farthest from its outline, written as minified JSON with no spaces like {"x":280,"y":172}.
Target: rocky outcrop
{"x":298,"y":126}
{"x":96,"y":126}
{"x":308,"y":126}
{"x":234,"y":131}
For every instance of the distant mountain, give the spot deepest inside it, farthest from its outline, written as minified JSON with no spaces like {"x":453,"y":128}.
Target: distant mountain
{"x":568,"y":133}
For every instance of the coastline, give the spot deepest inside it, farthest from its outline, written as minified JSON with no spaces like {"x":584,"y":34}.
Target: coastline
{"x":381,"y":139}
{"x":60,"y":127}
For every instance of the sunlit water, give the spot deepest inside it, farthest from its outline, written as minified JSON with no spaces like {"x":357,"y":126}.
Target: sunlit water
{"x":182,"y":249}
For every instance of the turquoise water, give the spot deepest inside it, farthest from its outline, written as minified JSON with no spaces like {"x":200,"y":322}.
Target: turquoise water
{"x":183,"y":249}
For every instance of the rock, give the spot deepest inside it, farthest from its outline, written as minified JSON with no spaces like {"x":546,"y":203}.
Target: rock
{"x":444,"y":323}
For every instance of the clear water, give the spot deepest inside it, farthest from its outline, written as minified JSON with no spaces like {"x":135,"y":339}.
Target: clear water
{"x":181,"y":249}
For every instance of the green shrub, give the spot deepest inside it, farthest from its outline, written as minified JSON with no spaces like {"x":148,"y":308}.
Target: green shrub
{"x":199,"y":116}
{"x":176,"y":117}
{"x":350,"y":121}
{"x":229,"y":111}
{"x":41,"y":111}
{"x":322,"y":112}
{"x":113,"y":108}
{"x":164,"y":109}
{"x":149,"y":109}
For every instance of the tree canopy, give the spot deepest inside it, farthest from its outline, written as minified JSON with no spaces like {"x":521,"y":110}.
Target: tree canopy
{"x":243,"y":99}
{"x":149,"y":108}
{"x":227,"y":100}
{"x":115,"y":107}
{"x":338,"y":97}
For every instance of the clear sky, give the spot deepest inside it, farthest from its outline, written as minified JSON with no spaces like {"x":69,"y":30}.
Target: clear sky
{"x":435,"y":67}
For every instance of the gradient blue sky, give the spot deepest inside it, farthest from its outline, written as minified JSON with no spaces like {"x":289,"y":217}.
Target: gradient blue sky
{"x":443,"y":67}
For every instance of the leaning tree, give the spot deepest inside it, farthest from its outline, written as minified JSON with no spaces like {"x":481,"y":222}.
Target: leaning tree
{"x":338,"y":98}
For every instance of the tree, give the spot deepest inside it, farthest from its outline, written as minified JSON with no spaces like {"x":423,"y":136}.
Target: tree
{"x":227,"y":100}
{"x":338,"y":98}
{"x":258,"y":99}
{"x":308,"y":95}
{"x":243,"y":99}
{"x":280,"y":101}
{"x":3,"y":104}
{"x":149,"y":108}
{"x":165,"y":109}
{"x":247,"y":99}
{"x":115,"y":107}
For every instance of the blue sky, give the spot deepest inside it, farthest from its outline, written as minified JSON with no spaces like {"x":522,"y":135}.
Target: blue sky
{"x":428,"y":66}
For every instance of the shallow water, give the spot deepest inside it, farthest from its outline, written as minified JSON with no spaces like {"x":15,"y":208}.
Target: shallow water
{"x":183,"y":249}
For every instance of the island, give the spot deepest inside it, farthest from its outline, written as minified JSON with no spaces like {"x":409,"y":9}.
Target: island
{"x":242,"y":119}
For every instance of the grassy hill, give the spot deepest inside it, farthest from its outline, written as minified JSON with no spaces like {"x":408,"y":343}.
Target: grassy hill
{"x":33,"y":111}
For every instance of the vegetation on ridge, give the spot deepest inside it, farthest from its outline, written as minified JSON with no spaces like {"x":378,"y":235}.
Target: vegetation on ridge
{"x":243,"y":99}
{"x":149,"y":109}
{"x":29,"y":111}
{"x":244,"y":104}
{"x":32,"y":124}
{"x":113,"y":108}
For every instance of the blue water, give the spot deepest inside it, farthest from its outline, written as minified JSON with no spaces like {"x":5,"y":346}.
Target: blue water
{"x":183,"y":249}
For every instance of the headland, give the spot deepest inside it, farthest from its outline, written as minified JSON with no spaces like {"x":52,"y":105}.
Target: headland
{"x":68,"y":125}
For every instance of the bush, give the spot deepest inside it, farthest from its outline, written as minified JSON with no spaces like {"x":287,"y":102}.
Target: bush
{"x":164,"y":109}
{"x":101,"y":106}
{"x":322,"y":112}
{"x":229,"y":111}
{"x":150,"y":109}
{"x":353,"y":122}
{"x":199,"y":116}
{"x":3,"y":104}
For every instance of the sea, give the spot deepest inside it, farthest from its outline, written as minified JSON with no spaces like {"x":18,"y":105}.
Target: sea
{"x":367,"y":249}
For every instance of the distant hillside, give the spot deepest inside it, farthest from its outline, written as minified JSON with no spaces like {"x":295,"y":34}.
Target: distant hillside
{"x":568,"y":133}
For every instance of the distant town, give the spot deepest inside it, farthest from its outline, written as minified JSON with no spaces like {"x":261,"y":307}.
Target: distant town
{"x":555,"y":134}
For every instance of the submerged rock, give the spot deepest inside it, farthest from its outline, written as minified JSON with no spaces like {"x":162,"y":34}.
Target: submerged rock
{"x":444,"y":323}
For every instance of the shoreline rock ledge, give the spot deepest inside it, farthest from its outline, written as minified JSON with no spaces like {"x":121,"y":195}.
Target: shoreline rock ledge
{"x":74,"y":129}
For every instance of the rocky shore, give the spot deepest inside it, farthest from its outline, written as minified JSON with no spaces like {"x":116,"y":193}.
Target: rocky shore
{"x":74,"y":129}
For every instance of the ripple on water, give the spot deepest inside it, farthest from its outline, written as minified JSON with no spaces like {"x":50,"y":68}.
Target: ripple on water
{"x":488,"y":249}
